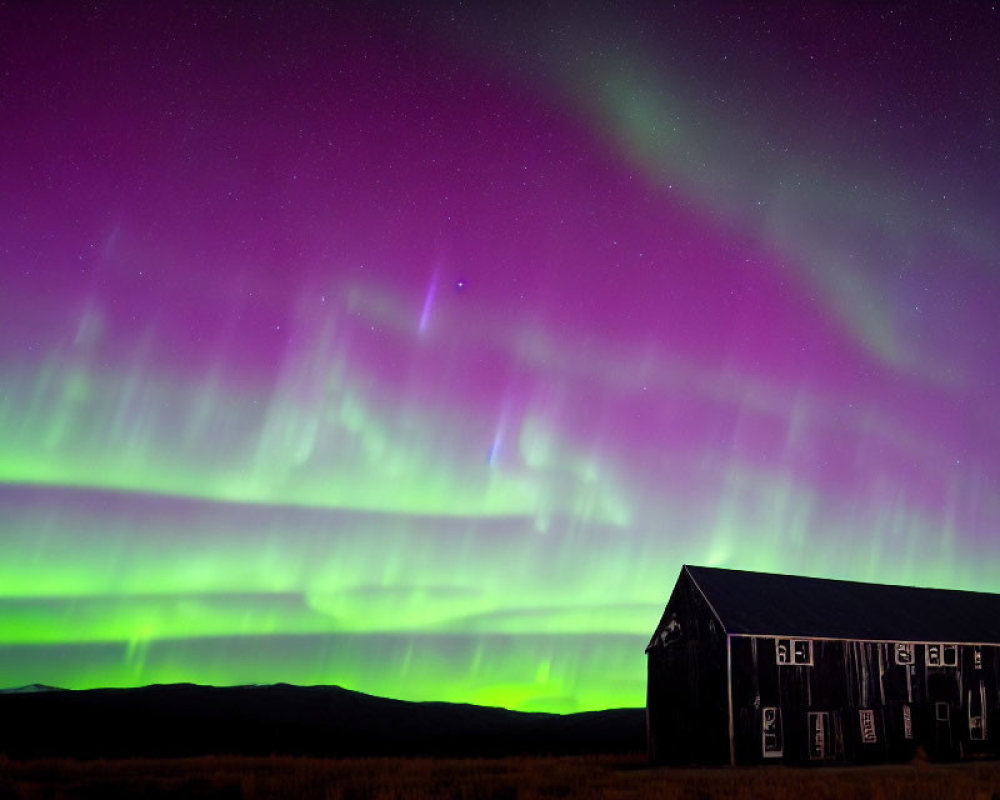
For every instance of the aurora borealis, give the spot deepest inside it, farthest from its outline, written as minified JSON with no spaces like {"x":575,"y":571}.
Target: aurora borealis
{"x":413,"y":348}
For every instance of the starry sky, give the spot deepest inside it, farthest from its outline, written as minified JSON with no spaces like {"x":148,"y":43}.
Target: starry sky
{"x":414,"y":347}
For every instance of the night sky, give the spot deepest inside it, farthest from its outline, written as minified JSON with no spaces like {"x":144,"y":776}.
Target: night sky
{"x":413,"y":348}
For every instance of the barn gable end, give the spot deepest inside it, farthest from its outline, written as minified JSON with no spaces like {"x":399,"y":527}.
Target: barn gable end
{"x":686,"y":710}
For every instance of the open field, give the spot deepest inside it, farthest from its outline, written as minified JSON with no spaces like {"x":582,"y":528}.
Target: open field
{"x":477,"y":779}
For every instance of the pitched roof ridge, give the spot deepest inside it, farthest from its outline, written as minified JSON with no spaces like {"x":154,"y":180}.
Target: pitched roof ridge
{"x":849,"y":581}
{"x":746,"y":602}
{"x":687,"y":568}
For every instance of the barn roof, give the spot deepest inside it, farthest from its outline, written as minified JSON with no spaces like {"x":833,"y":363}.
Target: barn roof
{"x":759,"y":603}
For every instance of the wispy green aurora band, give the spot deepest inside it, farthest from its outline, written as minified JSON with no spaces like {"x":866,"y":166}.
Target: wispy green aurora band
{"x":438,"y":413}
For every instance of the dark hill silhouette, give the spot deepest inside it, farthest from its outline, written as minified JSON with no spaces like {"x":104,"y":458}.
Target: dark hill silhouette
{"x":187,"y":720}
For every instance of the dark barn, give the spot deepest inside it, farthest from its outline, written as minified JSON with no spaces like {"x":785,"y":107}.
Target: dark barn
{"x":749,"y":668}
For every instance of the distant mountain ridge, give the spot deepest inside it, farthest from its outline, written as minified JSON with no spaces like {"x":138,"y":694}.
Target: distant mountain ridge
{"x":30,"y":688}
{"x":188,"y":719}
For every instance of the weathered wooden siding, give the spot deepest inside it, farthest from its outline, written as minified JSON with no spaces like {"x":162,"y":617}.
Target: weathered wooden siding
{"x":855,"y":703}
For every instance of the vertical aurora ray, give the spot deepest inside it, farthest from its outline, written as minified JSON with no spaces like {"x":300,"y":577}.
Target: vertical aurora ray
{"x":425,"y":312}
{"x":415,"y":352}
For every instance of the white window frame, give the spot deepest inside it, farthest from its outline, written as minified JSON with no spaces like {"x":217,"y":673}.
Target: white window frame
{"x":778,"y":750}
{"x":909,"y":650}
{"x":866,"y":719}
{"x":935,"y":654}
{"x":785,"y":652}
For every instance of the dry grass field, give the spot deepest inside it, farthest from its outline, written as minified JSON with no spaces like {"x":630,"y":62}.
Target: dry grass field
{"x":478,"y":779}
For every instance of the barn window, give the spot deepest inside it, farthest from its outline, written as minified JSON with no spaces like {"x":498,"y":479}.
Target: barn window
{"x":867,"y":719}
{"x":904,"y":653}
{"x":941,"y":655}
{"x":671,"y":632}
{"x":819,"y":737}
{"x":942,"y":713}
{"x":773,"y":740}
{"x":907,"y":723}
{"x":976,"y":703}
{"x":977,"y":657}
{"x":794,"y":651}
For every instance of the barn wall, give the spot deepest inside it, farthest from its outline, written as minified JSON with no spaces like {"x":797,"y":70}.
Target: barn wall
{"x":686,"y":700}
{"x":852,"y":702}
